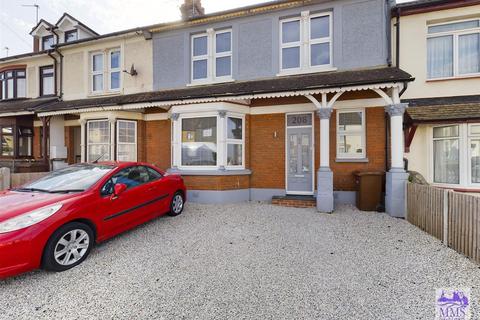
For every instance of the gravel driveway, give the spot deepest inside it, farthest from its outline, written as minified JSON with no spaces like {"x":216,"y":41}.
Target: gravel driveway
{"x":251,"y":261}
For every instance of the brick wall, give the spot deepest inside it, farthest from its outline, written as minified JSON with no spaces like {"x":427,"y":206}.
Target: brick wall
{"x":37,"y":143}
{"x":141,"y":141}
{"x":157,"y":143}
{"x":217,"y":182}
{"x":267,"y":152}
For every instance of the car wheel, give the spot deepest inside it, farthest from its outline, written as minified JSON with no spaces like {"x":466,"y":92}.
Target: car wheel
{"x":68,"y":247}
{"x":177,"y":204}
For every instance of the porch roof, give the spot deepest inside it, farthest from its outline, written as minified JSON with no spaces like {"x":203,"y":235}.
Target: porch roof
{"x":440,"y":109}
{"x":287,"y":86}
{"x":23,"y":106}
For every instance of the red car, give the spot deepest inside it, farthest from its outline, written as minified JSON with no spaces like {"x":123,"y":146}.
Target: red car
{"x":53,"y":222}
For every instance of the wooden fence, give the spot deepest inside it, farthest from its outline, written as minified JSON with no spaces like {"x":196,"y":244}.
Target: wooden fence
{"x":449,"y":216}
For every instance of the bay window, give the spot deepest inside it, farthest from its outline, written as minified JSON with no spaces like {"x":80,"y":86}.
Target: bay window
{"x":209,"y":141}
{"x":8,"y":147}
{"x":306,"y":42}
{"x":13,"y":84}
{"x":446,"y":154}
{"x":453,"y":49}
{"x":474,"y":142}
{"x":211,"y":56}
{"x":47,"y":81}
{"x":105,"y":79}
{"x":199,"y":141}
{"x":234,"y":142}
{"x":100,"y":142}
{"x":351,"y":134}
{"x":126,"y":140}
{"x":25,"y":142}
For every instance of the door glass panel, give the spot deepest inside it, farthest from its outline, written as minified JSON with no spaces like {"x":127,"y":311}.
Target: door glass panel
{"x":292,"y":149}
{"x":475,"y":160}
{"x":305,"y":153}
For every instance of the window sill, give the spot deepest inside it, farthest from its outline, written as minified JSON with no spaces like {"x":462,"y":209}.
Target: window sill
{"x":208,"y":82}
{"x":305,"y":71}
{"x":472,"y":76}
{"x":353,"y":160}
{"x":215,"y":172}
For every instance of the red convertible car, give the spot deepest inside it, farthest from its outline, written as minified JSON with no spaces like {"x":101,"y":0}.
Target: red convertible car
{"x":53,"y":222}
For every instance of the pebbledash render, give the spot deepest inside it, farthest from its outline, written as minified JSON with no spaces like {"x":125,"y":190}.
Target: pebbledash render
{"x":285,"y":97}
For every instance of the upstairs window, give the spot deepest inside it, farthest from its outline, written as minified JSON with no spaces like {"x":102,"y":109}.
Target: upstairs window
{"x":212,"y":56}
{"x":306,"y":42}
{"x":47,"y":42}
{"x":47,"y":81}
{"x":105,"y":71}
{"x":13,"y":84}
{"x":453,"y":49}
{"x":71,"y":35}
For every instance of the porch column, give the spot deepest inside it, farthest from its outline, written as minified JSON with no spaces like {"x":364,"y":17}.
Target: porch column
{"x":83,"y":133}
{"x":222,"y":152}
{"x":176,"y":153}
{"x":112,"y":121}
{"x":397,"y":176}
{"x":325,"y":174}
{"x":58,"y":150}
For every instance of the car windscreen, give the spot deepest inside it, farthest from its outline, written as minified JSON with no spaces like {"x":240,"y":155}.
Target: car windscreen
{"x":74,"y":178}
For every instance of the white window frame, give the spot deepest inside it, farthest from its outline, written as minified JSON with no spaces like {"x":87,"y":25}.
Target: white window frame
{"x":88,"y":143}
{"x":98,"y":72}
{"x":235,"y":141}
{"x":211,"y":57}
{"x":471,"y":137}
{"x":118,"y":143}
{"x":192,"y":116}
{"x":111,"y":70}
{"x":455,"y":34}
{"x":305,"y":44}
{"x":222,"y":141}
{"x":362,"y":133}
{"x":459,"y":138}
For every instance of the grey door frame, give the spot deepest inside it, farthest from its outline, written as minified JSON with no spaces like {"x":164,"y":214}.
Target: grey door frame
{"x":312,"y":128}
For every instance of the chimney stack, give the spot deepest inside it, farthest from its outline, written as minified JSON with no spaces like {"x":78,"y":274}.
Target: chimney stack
{"x":191,"y":9}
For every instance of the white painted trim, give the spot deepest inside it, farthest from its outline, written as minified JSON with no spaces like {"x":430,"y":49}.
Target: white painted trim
{"x":156,"y":116}
{"x":12,"y":114}
{"x":167,"y":104}
{"x":312,"y":127}
{"x":112,"y":114}
{"x":67,"y":123}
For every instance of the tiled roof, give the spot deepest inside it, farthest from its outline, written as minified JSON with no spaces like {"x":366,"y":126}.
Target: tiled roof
{"x":444,"y":108}
{"x":24,"y":105}
{"x":277,"y":84}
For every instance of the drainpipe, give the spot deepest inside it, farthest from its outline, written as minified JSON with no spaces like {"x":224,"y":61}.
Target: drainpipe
{"x":59,"y":92}
{"x":397,"y":37}
{"x":54,"y":68}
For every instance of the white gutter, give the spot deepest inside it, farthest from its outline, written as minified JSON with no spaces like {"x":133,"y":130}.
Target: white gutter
{"x":168,"y":104}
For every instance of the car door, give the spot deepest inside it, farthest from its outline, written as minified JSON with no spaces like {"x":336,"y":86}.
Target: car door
{"x":161,"y":190}
{"x":124,"y":211}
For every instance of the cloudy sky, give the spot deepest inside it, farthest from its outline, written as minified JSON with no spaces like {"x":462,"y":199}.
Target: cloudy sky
{"x":103,"y":16}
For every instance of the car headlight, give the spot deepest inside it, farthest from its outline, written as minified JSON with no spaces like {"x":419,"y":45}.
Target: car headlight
{"x":28,"y":219}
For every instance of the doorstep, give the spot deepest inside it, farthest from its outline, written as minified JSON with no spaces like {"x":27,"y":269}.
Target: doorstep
{"x":295,"y":201}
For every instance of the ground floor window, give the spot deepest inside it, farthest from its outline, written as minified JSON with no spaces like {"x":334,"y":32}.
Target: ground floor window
{"x":351,"y":134}
{"x":456,"y":154}
{"x":213,"y":141}
{"x":100,"y":144}
{"x":8,"y":147}
{"x":16,"y":141}
{"x":126,"y":140}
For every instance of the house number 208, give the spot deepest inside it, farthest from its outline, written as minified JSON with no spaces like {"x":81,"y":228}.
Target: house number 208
{"x":300,"y":120}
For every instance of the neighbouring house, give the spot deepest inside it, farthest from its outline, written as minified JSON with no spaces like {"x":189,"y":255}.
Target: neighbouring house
{"x":285,"y":97}
{"x":439,"y":44}
{"x":78,"y":64}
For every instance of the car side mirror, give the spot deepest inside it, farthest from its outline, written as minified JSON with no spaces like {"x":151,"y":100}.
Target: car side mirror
{"x":118,"y":189}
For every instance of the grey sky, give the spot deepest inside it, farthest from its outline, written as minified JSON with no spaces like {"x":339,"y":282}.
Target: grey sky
{"x":103,"y":16}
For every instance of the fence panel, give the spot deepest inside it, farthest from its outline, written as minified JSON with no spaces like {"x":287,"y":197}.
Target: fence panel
{"x":425,"y":205}
{"x":464,"y":224}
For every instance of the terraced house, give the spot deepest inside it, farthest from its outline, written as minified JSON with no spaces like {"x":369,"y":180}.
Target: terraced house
{"x":281,"y":98}
{"x":439,"y":44}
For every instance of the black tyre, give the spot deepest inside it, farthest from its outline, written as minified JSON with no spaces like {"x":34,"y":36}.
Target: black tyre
{"x":68,"y":247}
{"x":177,"y":204}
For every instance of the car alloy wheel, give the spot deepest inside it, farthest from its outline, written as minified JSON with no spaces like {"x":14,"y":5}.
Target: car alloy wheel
{"x":177,"y":204}
{"x":71,"y":247}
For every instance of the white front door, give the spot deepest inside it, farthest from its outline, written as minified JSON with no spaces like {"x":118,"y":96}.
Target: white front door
{"x":299,"y":154}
